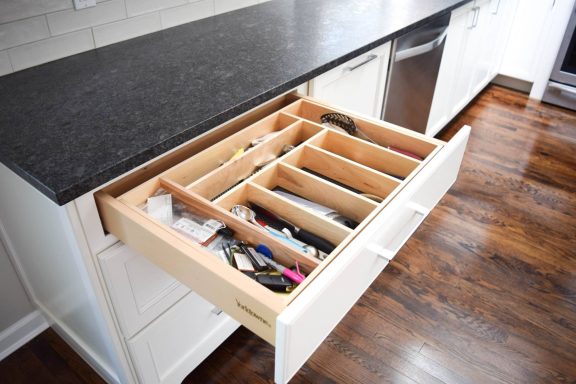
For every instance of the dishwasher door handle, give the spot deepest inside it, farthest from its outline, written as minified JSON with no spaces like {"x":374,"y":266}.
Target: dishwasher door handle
{"x":421,"y":49}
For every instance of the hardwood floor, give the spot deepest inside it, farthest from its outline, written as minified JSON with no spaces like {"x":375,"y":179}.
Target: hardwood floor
{"x":484,"y":292}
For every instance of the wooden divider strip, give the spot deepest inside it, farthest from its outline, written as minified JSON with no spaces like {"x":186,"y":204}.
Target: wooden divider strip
{"x":320,"y":191}
{"x":385,"y":134}
{"x":348,"y":172}
{"x":268,"y":173}
{"x":204,"y":162}
{"x":245,"y":230}
{"x":220,"y":179}
{"x":299,"y":216}
{"x":371,"y":155}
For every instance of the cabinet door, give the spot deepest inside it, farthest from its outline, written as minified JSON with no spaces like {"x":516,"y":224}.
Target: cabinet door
{"x":357,"y":85}
{"x":452,"y":86}
{"x":482,"y":45}
{"x":527,"y":38}
{"x":502,"y":11}
{"x":174,"y":344}
{"x":461,"y":90}
{"x":140,"y":291}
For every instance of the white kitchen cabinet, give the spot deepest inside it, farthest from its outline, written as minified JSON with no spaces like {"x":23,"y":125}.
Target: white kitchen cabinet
{"x":475,"y":43}
{"x":357,"y":85}
{"x":171,"y":347}
{"x":140,"y":292}
{"x":452,"y":86}
{"x":532,"y":21}
{"x":133,"y":322}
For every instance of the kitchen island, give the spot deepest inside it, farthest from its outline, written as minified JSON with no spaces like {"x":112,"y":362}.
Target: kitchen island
{"x":73,"y":126}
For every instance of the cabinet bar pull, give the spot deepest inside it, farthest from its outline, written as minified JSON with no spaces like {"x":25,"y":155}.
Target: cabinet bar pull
{"x":497,"y":9}
{"x":476,"y":17}
{"x":386,"y":253}
{"x":474,"y":13}
{"x":216,"y":310}
{"x":368,"y":59}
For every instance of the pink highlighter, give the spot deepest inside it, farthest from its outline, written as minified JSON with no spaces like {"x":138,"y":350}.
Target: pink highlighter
{"x":296,"y":277}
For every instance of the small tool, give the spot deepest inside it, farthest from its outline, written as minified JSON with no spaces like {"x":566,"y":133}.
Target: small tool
{"x":256,"y":259}
{"x":339,"y":120}
{"x":276,"y":283}
{"x":299,"y":233}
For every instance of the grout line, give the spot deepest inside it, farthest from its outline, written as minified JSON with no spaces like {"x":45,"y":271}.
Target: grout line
{"x":93,"y":38}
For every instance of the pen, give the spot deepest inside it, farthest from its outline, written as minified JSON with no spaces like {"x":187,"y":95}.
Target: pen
{"x":295,"y":277}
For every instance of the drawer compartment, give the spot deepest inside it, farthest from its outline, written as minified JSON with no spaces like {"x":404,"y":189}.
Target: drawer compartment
{"x":373,"y":185}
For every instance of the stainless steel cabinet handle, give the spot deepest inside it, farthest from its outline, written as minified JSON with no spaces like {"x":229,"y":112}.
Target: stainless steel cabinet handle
{"x":421,"y":49}
{"x":216,"y":310}
{"x":475,"y":11}
{"x":369,"y":58}
{"x":477,"y":16}
{"x":385,"y":252}
{"x":495,"y":11}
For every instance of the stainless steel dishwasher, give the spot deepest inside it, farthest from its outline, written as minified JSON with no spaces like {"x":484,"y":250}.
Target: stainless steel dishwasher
{"x":414,"y":66}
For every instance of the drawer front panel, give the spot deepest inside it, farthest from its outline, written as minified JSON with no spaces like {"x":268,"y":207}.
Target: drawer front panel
{"x":173,"y":345}
{"x":307,"y":321}
{"x":140,"y":291}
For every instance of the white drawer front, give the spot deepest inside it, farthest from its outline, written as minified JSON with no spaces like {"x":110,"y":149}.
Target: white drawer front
{"x":315,"y":312}
{"x":174,"y":344}
{"x":140,"y":291}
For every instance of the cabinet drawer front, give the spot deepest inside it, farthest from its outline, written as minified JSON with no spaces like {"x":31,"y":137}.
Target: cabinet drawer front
{"x":139,"y":290}
{"x":307,"y":321}
{"x":173,"y":345}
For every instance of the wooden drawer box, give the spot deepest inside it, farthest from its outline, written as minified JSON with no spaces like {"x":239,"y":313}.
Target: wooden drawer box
{"x":210,"y":184}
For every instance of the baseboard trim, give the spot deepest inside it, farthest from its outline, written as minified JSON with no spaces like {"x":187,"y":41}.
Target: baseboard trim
{"x":21,"y":332}
{"x":510,"y":82}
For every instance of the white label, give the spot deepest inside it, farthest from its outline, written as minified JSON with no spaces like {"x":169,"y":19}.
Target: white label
{"x":193,"y":230}
{"x":160,"y":208}
{"x":214,"y":225}
{"x":243,"y":262}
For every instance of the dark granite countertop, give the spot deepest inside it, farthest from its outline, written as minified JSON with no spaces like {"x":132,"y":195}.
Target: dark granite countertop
{"x":74,"y":124}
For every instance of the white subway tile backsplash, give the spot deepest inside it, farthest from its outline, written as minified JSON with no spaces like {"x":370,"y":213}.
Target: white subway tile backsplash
{"x":23,"y":31}
{"x":72,"y":20}
{"x":11,"y":10}
{"x":222,"y":6}
{"x":33,"y":32}
{"x":139,"y":7}
{"x":186,"y":13}
{"x":126,"y":29}
{"x":5,"y":66}
{"x":54,"y":48}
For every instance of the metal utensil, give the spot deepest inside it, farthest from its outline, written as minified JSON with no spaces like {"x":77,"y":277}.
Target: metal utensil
{"x":246,"y":214}
{"x":249,"y":215}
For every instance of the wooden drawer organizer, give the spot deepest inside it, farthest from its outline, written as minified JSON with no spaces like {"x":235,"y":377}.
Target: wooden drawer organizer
{"x":210,"y":185}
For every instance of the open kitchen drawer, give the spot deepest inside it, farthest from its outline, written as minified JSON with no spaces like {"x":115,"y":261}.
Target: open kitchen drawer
{"x":388,"y":193}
